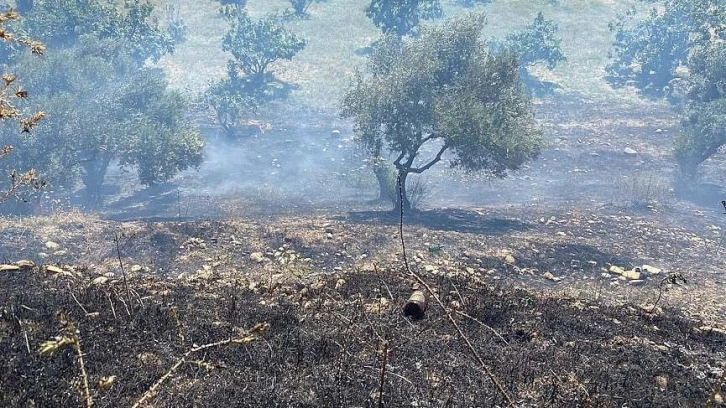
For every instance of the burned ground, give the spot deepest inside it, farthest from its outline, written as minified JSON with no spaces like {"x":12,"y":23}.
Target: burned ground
{"x":332,"y":290}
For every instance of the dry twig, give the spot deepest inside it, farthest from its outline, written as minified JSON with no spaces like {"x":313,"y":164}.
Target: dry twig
{"x":253,"y":334}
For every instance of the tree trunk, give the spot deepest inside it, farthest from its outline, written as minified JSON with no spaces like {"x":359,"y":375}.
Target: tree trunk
{"x":386,"y":190}
{"x":402,"y":176}
{"x":94,"y":172}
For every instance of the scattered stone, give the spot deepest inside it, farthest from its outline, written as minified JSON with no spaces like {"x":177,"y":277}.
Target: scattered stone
{"x":24,"y":264}
{"x":562,"y":233}
{"x":339,"y":284}
{"x":637,"y":282}
{"x":509,"y":258}
{"x":630,"y":151}
{"x":661,"y":382}
{"x":101,"y":280}
{"x":368,"y":267}
{"x":52,"y":245}
{"x":258,"y":257}
{"x":42,"y":255}
{"x":53,"y":269}
{"x":651,"y":269}
{"x":136,"y":268}
{"x":550,"y":276}
{"x":429,"y":268}
{"x":60,"y":252}
{"x":632,"y":275}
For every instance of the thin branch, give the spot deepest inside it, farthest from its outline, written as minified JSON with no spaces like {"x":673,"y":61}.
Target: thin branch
{"x":254,"y":333}
{"x":433,"y":161}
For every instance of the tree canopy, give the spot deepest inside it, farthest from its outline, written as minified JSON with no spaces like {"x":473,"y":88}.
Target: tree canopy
{"x":647,"y":53}
{"x":444,"y":90}
{"x":101,"y":108}
{"x":402,"y":17}
{"x":255,"y":45}
{"x":704,"y":119}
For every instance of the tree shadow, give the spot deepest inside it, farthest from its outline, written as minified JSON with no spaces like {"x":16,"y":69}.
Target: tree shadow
{"x":537,"y":87}
{"x":448,"y":219}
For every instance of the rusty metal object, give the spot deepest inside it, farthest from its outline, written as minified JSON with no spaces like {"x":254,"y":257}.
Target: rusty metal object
{"x":416,"y":305}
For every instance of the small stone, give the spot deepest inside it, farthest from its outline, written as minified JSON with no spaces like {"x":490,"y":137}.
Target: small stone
{"x":329,"y":235}
{"x":60,"y":252}
{"x":630,"y":151}
{"x":52,"y":245}
{"x":339,"y":284}
{"x":429,"y":268}
{"x":258,"y":257}
{"x":7,"y":268}
{"x":470,"y":270}
{"x":509,"y":258}
{"x":136,"y":268}
{"x":651,"y":269}
{"x":42,"y":255}
{"x":101,"y":280}
{"x":661,"y":382}
{"x":550,"y":276}
{"x":53,"y":269}
{"x":631,"y":275}
{"x":561,"y":233}
{"x":25,"y":264}
{"x":368,"y":267}
{"x":637,"y":282}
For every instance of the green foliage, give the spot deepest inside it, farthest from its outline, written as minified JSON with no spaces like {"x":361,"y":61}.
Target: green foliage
{"x":61,"y":23}
{"x":176,"y":27}
{"x":647,"y":53}
{"x":300,"y":7}
{"x":101,"y":107}
{"x":257,"y":44}
{"x":444,"y":90}
{"x":402,"y":17}
{"x":472,"y":3}
{"x":704,"y":120}
{"x":254,"y":45}
{"x":537,"y":43}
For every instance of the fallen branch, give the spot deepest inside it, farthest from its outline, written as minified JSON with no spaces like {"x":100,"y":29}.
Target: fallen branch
{"x":253,"y":334}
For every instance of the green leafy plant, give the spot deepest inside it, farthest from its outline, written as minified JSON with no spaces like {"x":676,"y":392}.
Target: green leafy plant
{"x":647,"y":53}
{"x":704,"y":123}
{"x":62,"y":23}
{"x":443,"y":91}
{"x":402,"y":17}
{"x":255,"y":46}
{"x":101,"y":107}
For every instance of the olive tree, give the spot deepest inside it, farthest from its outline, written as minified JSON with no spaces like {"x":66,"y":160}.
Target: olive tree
{"x":443,"y":91}
{"x":62,"y":23}
{"x":102,"y":108}
{"x":704,"y":122}
{"x":648,"y":52}
{"x":255,"y":46}
{"x":402,"y":17}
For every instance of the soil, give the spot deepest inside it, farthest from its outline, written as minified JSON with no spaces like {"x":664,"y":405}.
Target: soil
{"x":538,"y":270}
